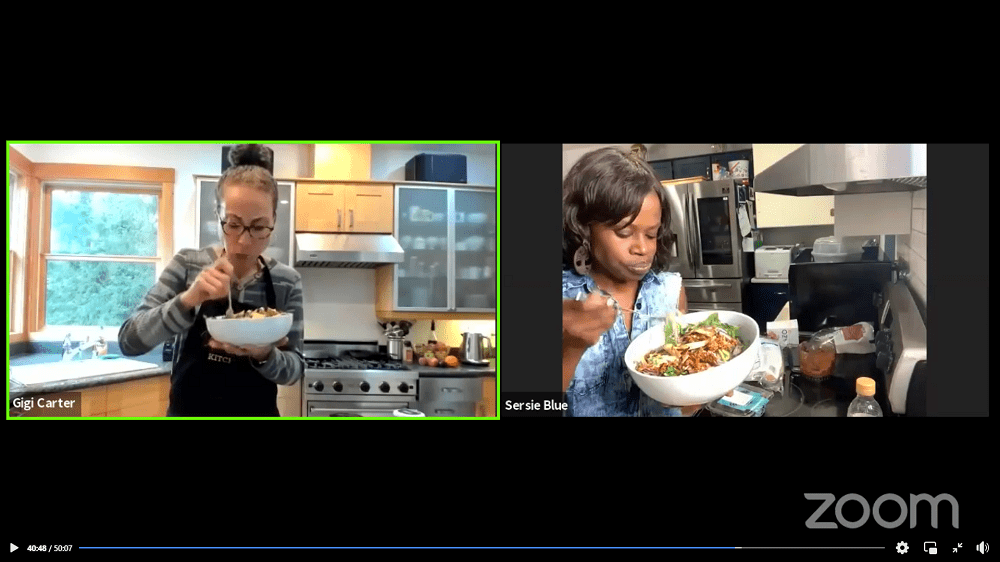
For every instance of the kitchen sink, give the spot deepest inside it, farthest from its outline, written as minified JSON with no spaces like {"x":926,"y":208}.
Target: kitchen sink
{"x":68,"y":370}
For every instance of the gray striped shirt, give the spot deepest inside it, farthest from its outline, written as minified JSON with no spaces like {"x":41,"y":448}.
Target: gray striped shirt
{"x":160,"y":316}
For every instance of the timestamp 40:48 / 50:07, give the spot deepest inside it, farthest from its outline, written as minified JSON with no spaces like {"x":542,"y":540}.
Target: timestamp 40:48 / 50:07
{"x":49,"y":548}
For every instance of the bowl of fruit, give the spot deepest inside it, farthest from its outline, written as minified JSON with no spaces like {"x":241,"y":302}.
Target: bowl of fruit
{"x":436,"y":354}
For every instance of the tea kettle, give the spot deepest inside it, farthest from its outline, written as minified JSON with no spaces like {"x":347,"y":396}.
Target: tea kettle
{"x":472,"y":348}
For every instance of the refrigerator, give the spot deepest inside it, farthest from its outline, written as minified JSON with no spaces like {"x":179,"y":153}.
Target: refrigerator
{"x":707,"y":248}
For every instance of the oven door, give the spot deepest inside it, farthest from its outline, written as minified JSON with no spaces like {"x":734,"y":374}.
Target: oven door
{"x":715,"y":228}
{"x":355,"y":408}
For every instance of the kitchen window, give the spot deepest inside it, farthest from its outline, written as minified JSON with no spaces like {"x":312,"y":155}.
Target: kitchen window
{"x":102,"y":253}
{"x":95,"y":240}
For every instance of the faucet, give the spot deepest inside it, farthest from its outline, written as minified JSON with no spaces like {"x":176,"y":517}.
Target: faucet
{"x":93,"y":348}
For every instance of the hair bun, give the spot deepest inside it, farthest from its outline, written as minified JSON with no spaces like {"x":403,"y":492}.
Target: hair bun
{"x":251,"y":155}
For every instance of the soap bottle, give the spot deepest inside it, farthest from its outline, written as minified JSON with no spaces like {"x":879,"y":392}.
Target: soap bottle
{"x":864,"y":404}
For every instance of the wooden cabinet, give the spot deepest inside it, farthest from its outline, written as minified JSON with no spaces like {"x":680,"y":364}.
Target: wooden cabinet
{"x":369,"y":208}
{"x":787,"y":210}
{"x":319,"y":207}
{"x":147,"y":397}
{"x":487,"y":407}
{"x":150,"y":397}
{"x":344,"y":207}
{"x":290,"y":400}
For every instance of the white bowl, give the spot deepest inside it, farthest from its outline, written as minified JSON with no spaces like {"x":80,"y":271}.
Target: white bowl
{"x":697,"y":388}
{"x":250,"y":331}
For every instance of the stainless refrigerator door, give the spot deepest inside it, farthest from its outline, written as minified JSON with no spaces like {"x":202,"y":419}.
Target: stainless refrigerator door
{"x":713,"y":290}
{"x":681,"y":219}
{"x":703,"y":306}
{"x":716,"y":228}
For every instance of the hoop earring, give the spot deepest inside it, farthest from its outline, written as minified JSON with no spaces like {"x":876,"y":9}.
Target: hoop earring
{"x":581,"y":260}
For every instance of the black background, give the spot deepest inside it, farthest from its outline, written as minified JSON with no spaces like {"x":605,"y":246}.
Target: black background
{"x":523,"y":482}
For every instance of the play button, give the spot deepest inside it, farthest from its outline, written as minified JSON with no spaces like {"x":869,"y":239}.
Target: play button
{"x":13,"y":547}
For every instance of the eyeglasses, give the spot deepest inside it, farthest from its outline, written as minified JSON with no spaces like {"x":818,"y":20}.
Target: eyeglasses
{"x":236,"y":229}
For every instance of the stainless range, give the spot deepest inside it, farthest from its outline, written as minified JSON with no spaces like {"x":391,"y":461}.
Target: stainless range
{"x":354,"y":379}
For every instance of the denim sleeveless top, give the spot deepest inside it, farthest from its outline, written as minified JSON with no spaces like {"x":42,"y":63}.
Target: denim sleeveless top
{"x":601,"y":384}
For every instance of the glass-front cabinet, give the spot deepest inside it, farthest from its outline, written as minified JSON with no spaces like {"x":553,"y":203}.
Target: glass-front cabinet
{"x":448,"y":235}
{"x":280,"y":245}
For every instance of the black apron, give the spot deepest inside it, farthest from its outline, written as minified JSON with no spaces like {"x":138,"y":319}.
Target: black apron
{"x":210,"y":382}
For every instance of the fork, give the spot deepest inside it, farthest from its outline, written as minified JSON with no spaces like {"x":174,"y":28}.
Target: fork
{"x":229,"y":312}
{"x":671,"y":316}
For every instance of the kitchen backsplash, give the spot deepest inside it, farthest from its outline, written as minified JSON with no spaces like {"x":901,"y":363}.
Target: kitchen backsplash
{"x":339,"y":303}
{"x":912,"y":247}
{"x":450,"y":331}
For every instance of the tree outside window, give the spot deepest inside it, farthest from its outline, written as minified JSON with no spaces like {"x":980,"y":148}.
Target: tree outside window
{"x":102,"y":257}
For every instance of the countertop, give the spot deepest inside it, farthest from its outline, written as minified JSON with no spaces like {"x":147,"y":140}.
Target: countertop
{"x":164,"y":368}
{"x":17,"y":389}
{"x":462,"y":370}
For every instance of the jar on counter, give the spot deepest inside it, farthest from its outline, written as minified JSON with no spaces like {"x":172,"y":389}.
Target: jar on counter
{"x":818,"y":356}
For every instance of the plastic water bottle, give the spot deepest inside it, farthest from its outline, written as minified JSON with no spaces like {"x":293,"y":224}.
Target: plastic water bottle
{"x":864,"y":404}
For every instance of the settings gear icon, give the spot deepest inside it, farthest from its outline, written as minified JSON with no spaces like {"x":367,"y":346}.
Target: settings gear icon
{"x":902,"y":547}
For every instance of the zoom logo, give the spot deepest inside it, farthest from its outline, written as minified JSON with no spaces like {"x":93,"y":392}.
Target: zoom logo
{"x":875,"y":510}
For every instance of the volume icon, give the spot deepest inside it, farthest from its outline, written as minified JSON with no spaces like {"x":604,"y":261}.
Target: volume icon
{"x":983,"y":547}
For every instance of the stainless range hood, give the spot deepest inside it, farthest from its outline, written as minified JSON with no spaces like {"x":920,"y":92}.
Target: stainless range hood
{"x":841,"y":169}
{"x":346,"y":250}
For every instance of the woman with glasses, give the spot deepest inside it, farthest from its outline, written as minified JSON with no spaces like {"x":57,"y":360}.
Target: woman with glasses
{"x":212,"y":378}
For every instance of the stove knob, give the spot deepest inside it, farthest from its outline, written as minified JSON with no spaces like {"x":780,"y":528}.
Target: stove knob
{"x":403,"y":387}
{"x":318,"y":386}
{"x":384,"y":387}
{"x":365,"y":386}
{"x":338,"y":386}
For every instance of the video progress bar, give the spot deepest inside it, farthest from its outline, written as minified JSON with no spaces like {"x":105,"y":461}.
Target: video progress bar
{"x":810,"y":548}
